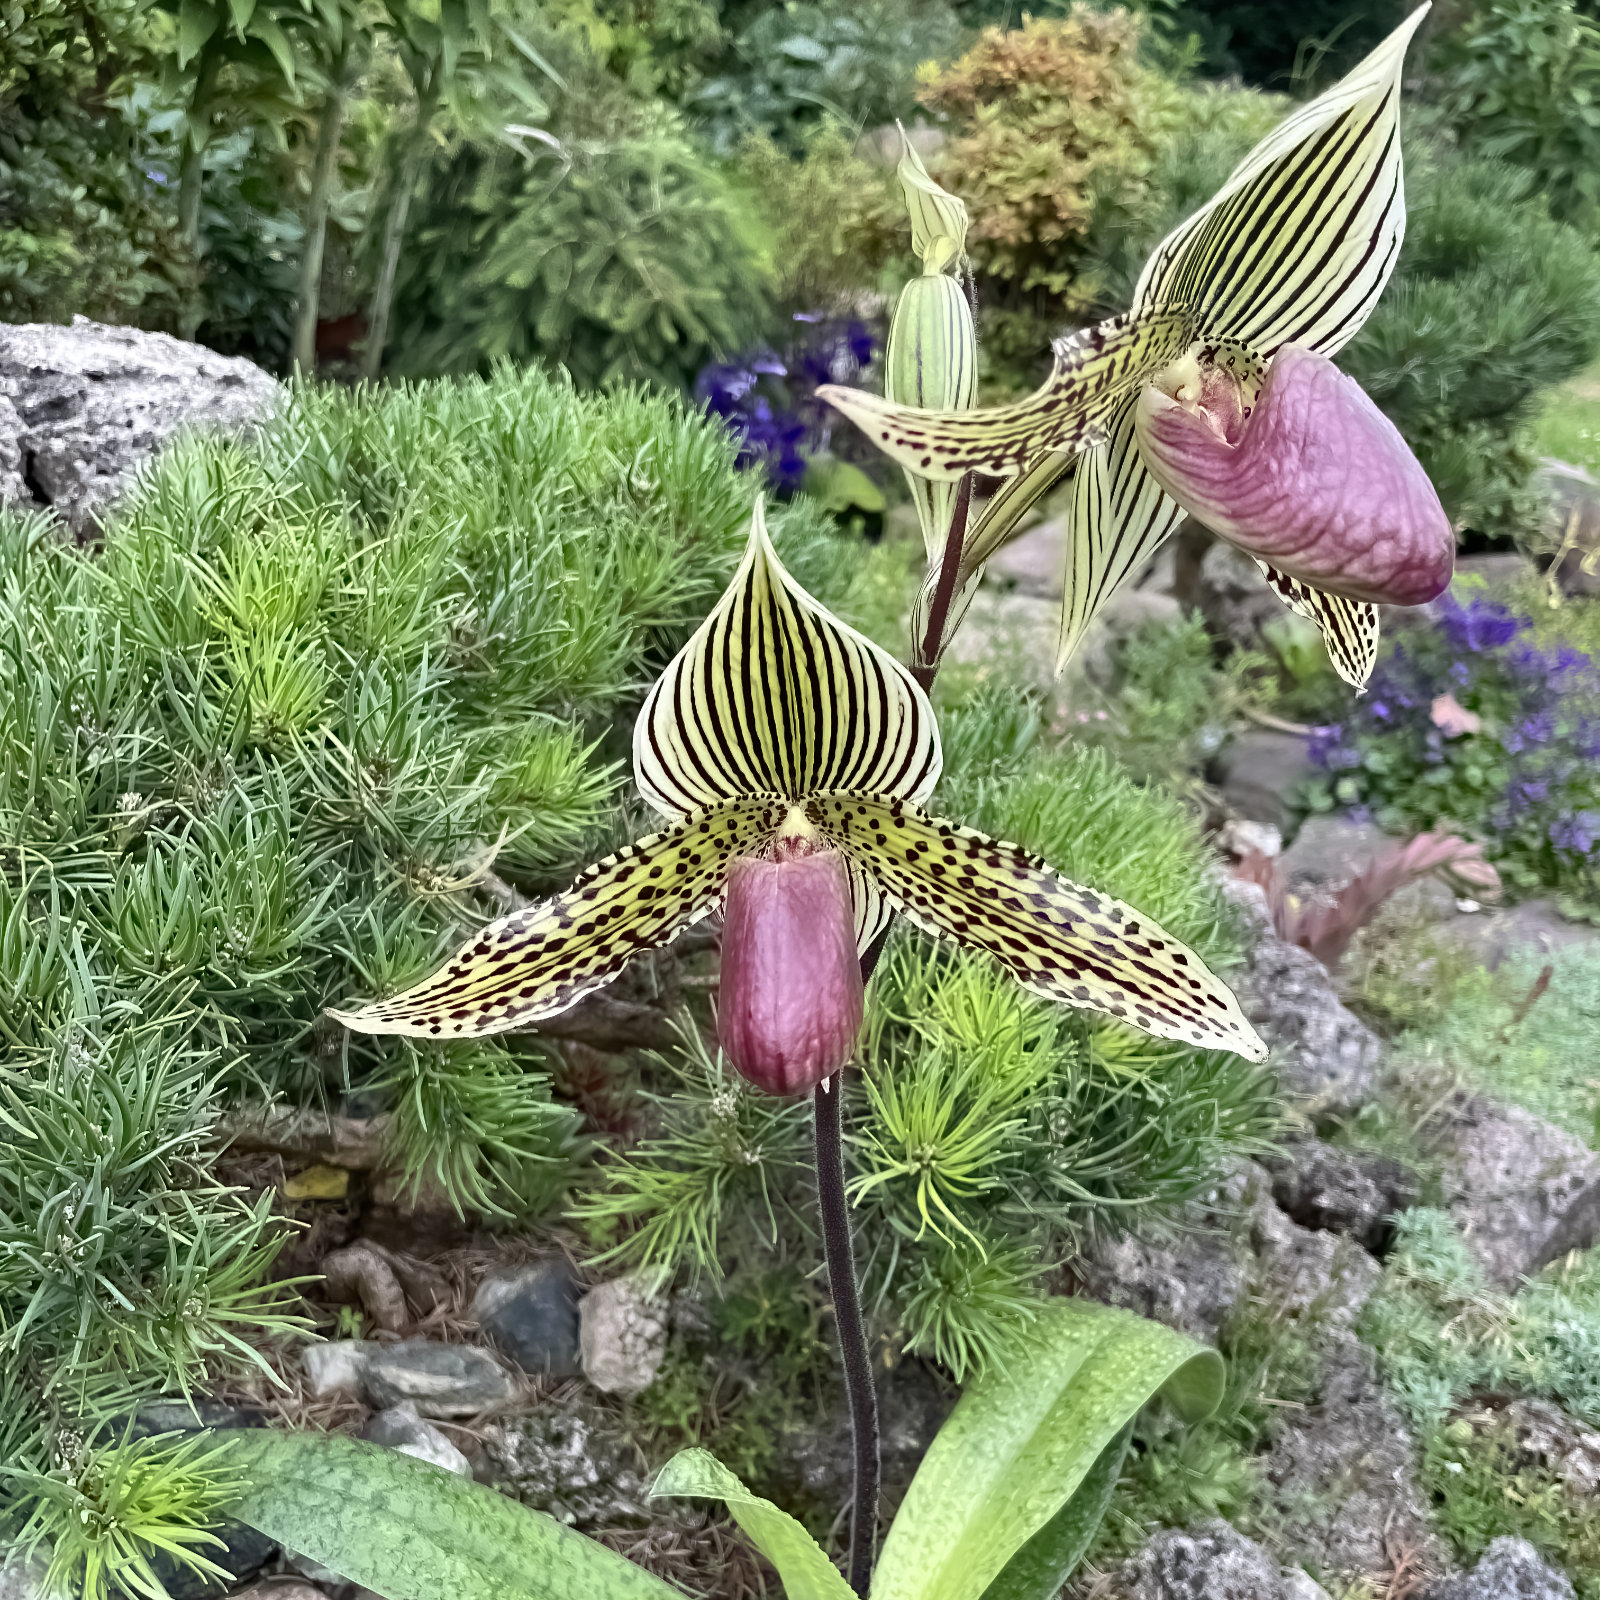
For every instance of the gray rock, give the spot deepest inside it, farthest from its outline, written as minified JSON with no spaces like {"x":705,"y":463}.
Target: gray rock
{"x":1329,"y":1189}
{"x":1522,"y":1191}
{"x":1258,"y":774}
{"x":1012,"y":632}
{"x":532,"y":1315}
{"x":87,"y":405}
{"x":1190,"y":1282}
{"x":569,"y":1464}
{"x":441,"y":1380}
{"x":1325,"y":1055}
{"x":1211,"y":1561}
{"x":1233,"y":1243}
{"x":1530,"y":927}
{"x":1320,"y":1279}
{"x":1034,"y":562}
{"x":335,"y":1369}
{"x":22,"y":1582}
{"x":622,"y":1334}
{"x":1345,"y":1469}
{"x":402,"y":1428}
{"x":1510,"y":1569}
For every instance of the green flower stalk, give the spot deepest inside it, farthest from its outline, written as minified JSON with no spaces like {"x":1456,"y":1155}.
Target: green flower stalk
{"x":791,"y":758}
{"x":1216,"y":395}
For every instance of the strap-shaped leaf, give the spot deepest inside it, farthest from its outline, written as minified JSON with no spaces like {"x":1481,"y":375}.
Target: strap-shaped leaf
{"x":1299,"y":242}
{"x":806,"y":1571}
{"x":1119,"y":516}
{"x":773,"y":695}
{"x":535,"y":963}
{"x":411,"y":1531}
{"x":996,"y":524}
{"x":1349,"y":627}
{"x":1020,"y":1443}
{"x":1093,"y":371}
{"x":1071,"y":945}
{"x":1038,"y":1570}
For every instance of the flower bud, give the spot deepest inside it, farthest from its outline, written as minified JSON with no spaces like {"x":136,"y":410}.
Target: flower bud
{"x":932,"y":362}
{"x":938,"y":218}
{"x":791,"y":1001}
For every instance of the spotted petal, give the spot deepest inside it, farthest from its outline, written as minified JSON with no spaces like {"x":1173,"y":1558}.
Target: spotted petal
{"x":774,"y":695}
{"x":1071,"y":945}
{"x":1349,"y":627}
{"x":1093,"y":371}
{"x":1118,"y":518}
{"x":1299,"y":242}
{"x":536,"y":963}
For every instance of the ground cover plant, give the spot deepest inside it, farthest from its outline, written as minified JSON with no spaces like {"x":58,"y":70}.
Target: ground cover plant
{"x":1473,"y":726}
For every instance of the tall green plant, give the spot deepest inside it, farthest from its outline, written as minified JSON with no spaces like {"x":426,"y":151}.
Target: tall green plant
{"x":468,"y":56}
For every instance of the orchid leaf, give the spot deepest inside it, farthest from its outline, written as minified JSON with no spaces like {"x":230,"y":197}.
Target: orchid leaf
{"x":1038,"y":1570}
{"x":1300,"y":241}
{"x":535,"y":963}
{"x":1094,"y":371}
{"x":806,"y":1571}
{"x":411,"y":1531}
{"x":1022,"y":1442}
{"x":773,"y":695}
{"x":1117,"y":520}
{"x":1349,"y":627}
{"x":1074,"y":946}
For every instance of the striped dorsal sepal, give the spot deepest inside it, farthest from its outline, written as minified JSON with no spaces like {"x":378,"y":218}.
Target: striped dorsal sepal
{"x":1093,"y":371}
{"x":775,"y":695}
{"x":536,"y":963}
{"x":1072,"y":945}
{"x":1299,"y":242}
{"x":1349,"y":627}
{"x":1117,"y":519}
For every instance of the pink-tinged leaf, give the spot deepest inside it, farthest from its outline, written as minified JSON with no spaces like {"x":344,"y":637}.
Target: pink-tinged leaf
{"x":1326,"y":928}
{"x":1316,"y":482}
{"x":789,"y":1007}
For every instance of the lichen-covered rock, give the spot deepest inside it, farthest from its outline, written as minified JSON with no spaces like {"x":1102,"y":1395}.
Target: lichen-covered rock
{"x":1523,"y":1192}
{"x":1346,"y":1466}
{"x":622,"y":1332}
{"x":1326,"y":1188}
{"x":1562,"y":1443}
{"x":1212,"y":1561}
{"x":441,"y":1380}
{"x":1325,"y":1055}
{"x":83,"y":407}
{"x":1510,"y":1569}
{"x":567,"y":1463}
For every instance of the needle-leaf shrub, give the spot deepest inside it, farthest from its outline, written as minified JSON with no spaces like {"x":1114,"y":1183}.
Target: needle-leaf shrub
{"x":277,"y":741}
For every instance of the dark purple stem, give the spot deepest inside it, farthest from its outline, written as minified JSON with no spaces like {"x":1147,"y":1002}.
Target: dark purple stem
{"x":838,"y":1249}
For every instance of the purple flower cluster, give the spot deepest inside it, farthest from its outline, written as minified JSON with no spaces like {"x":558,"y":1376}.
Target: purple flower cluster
{"x":1527,"y":781}
{"x":768,"y":400}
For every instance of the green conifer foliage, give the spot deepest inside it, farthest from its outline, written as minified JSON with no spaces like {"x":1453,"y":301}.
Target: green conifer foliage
{"x":258,"y":751}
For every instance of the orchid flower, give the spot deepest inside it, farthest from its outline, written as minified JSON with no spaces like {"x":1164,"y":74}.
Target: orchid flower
{"x":791,"y":758}
{"x":1216,"y":395}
